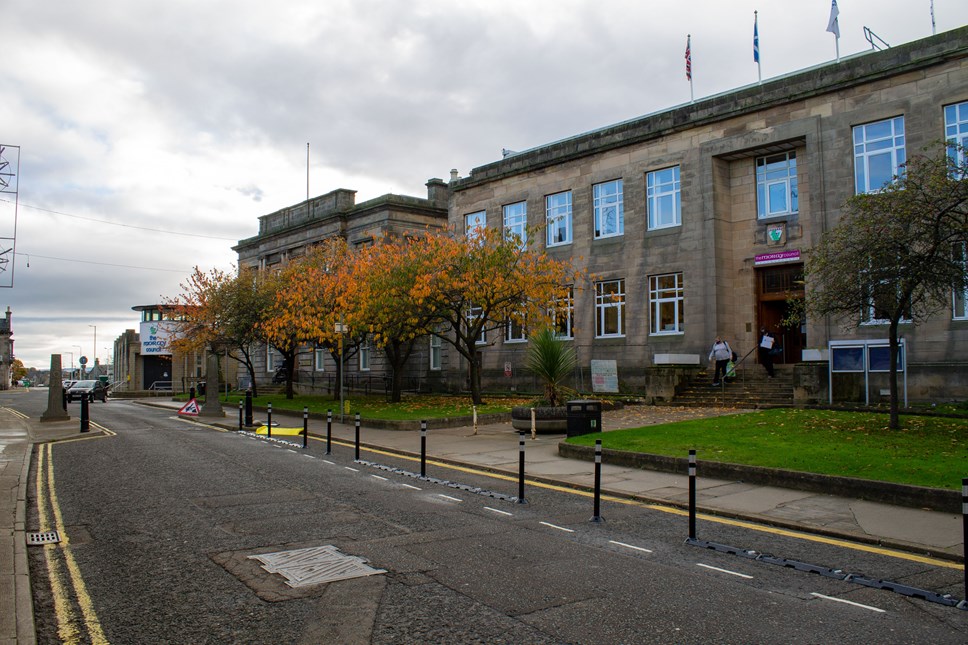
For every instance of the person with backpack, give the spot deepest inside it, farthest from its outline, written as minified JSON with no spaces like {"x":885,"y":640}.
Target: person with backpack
{"x":721,"y":353}
{"x":766,"y":350}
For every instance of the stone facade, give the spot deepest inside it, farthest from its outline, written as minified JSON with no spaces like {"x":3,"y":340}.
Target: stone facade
{"x":720,"y":249}
{"x":286,"y":233}
{"x":6,"y":351}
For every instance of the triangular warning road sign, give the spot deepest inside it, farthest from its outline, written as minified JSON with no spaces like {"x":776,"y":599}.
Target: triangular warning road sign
{"x":190,"y":408}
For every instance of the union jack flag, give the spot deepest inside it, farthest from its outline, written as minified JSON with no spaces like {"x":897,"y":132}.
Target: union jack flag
{"x":688,"y":58}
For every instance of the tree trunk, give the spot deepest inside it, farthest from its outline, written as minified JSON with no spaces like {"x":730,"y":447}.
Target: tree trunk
{"x":474,"y":360}
{"x":290,"y":358}
{"x":397,"y":354}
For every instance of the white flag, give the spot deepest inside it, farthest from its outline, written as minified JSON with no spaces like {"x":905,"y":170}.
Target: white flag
{"x":832,"y":25}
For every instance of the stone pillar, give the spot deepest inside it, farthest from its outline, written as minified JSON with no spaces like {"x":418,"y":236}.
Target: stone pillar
{"x":55,"y":393}
{"x":212,"y":406}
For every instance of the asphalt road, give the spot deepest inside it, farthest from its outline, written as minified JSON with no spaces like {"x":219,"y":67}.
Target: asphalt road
{"x":163,"y":516}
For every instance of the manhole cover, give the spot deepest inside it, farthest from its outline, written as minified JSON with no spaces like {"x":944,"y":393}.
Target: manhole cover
{"x":315,"y":565}
{"x":43,"y":537}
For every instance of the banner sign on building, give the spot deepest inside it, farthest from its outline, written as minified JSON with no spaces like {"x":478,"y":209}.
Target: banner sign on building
{"x":776,"y":258}
{"x":155,"y":336}
{"x":604,"y":376}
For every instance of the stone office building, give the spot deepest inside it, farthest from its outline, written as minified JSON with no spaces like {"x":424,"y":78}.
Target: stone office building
{"x":695,"y":221}
{"x":285,"y":234}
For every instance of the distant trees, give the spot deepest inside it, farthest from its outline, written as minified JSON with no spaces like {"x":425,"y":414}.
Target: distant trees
{"x":897,"y":255}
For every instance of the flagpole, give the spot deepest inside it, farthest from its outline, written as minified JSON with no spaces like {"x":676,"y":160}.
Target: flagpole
{"x":933,"y":29}
{"x":833,"y":26}
{"x":756,"y":46}
{"x":692,"y":96}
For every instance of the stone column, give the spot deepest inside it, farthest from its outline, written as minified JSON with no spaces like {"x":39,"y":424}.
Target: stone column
{"x":55,"y":393}
{"x":212,"y":406}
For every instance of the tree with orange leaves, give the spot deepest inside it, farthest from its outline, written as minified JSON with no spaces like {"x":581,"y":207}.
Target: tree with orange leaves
{"x":219,"y":311}
{"x":379,"y":299}
{"x":483,"y":282}
{"x":307,"y":306}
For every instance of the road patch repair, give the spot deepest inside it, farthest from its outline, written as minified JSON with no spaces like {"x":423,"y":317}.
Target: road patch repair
{"x":292,"y":573}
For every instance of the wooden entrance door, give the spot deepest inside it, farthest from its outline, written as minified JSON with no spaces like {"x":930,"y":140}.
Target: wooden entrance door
{"x":778,"y":290}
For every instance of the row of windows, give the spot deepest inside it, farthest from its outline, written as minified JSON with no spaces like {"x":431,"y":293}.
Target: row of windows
{"x":879,"y":152}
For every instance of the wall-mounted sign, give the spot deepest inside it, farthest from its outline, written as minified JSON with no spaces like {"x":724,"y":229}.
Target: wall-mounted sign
{"x":155,"y":336}
{"x":776,"y":234}
{"x":776,"y":258}
{"x":604,"y":376}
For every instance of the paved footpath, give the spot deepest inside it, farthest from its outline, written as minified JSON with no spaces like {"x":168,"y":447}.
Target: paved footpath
{"x":496,"y":447}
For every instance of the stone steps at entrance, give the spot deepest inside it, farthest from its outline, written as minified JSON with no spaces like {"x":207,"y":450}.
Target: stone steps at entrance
{"x":751,"y":388}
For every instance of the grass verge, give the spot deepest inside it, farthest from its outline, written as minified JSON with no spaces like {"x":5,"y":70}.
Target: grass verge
{"x":928,"y":451}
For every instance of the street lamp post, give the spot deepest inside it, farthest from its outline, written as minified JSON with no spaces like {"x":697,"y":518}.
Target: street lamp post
{"x":95,"y":344}
{"x":80,"y":352}
{"x":72,"y":367}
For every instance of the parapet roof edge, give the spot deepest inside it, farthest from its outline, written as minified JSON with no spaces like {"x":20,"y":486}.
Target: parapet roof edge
{"x":849,"y":71}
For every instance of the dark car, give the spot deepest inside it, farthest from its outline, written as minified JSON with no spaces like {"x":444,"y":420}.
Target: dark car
{"x":88,"y":389}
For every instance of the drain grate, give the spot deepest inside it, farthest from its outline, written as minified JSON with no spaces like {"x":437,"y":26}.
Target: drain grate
{"x":315,"y":565}
{"x":43,"y":537}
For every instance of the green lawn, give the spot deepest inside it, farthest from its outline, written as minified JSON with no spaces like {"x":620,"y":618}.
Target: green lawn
{"x":928,"y":451}
{"x":376,"y":407}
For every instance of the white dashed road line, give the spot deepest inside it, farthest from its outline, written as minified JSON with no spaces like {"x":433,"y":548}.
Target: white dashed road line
{"x":455,"y":499}
{"x":555,"y":526}
{"x":629,"y":546}
{"x":494,"y":510}
{"x":848,"y":602}
{"x":732,"y":573}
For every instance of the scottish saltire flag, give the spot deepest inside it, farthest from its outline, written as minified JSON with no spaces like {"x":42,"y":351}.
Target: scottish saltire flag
{"x":688,"y":59}
{"x":833,"y":26}
{"x":756,"y":41}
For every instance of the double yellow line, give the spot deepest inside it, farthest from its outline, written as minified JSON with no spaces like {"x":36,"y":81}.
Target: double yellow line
{"x":62,"y":569}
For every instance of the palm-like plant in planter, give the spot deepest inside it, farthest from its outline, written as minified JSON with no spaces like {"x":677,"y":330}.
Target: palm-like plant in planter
{"x":552,"y":361}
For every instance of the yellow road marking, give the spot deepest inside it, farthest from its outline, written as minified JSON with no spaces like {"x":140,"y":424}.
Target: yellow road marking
{"x":846,"y":544}
{"x":94,"y":630}
{"x":63,"y":612}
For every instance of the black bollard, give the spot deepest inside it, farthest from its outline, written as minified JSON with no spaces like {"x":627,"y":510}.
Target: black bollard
{"x":241,"y":404}
{"x":597,"y":517}
{"x":964,"y":520}
{"x":423,"y":449}
{"x":692,"y":494}
{"x":329,"y":432}
{"x":248,"y":408}
{"x":269,"y":420}
{"x":357,"y":436}
{"x":521,"y":499}
{"x":305,"y":427}
{"x":85,"y":415}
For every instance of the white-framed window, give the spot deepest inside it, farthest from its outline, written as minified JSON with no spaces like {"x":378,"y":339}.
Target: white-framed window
{"x":558,"y":217}
{"x":516,"y":222}
{"x":609,"y":208}
{"x":881,"y":298}
{"x":514,"y":332}
{"x":776,"y":185}
{"x":473,"y":313}
{"x":270,"y":359}
{"x":474,"y":223}
{"x":666,"y":297}
{"x":956,"y":126}
{"x":609,"y":308}
{"x":878,"y":154}
{"x":435,"y":352}
{"x":365,"y":355}
{"x":563,"y":314}
{"x":663,"y":198}
{"x":319,"y":359}
{"x":960,"y":296}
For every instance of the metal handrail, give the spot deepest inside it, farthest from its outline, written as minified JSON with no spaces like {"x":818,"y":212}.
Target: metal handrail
{"x":870,"y":36}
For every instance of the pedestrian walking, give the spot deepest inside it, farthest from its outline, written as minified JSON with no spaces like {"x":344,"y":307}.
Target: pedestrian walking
{"x":766,"y":348}
{"x":721,"y":353}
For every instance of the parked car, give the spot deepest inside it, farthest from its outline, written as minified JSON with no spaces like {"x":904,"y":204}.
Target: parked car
{"x":88,"y":389}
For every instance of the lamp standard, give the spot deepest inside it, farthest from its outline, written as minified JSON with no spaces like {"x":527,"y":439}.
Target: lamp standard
{"x":72,"y":367}
{"x":79,"y":353}
{"x":95,"y":342}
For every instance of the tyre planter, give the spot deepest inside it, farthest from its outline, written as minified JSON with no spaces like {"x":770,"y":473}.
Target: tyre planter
{"x":547,"y":419}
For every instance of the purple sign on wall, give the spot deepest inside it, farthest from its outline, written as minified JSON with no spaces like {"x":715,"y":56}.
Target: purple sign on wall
{"x":776,"y":258}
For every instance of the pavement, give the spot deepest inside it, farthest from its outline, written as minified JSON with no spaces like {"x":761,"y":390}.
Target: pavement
{"x":495,"y":447}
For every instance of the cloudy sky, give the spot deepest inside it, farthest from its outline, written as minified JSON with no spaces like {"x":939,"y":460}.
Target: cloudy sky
{"x":152,"y":134}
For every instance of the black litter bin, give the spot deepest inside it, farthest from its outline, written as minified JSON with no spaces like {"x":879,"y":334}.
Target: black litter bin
{"x":583,"y":417}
